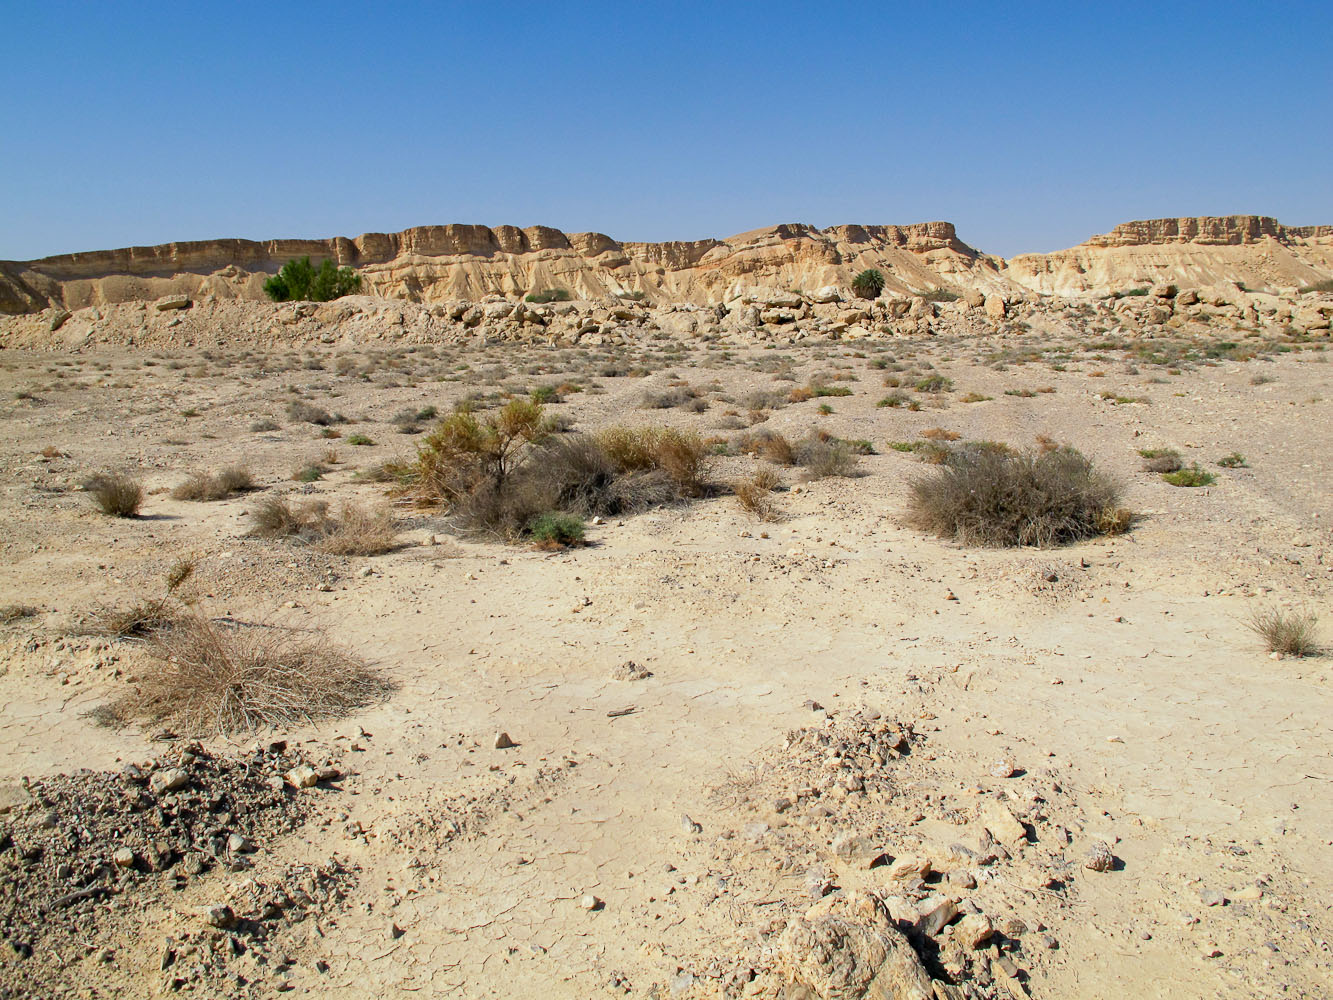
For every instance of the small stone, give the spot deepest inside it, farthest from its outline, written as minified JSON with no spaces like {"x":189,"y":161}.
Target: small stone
{"x":630,"y":671}
{"x":1003,"y":768}
{"x":302,"y":776}
{"x":1248,"y":894}
{"x":219,"y":916}
{"x":171,"y":780}
{"x":236,"y":844}
{"x":974,"y":930}
{"x":689,"y":825}
{"x":859,"y":851}
{"x":1099,"y":858}
{"x":124,"y":857}
{"x":590,"y":902}
{"x":194,"y":864}
{"x":906,"y":868}
{"x":1211,"y":897}
{"x":963,"y":878}
{"x":933,"y":913}
{"x":503,"y":742}
{"x":328,"y":773}
{"x":395,"y":932}
{"x":812,"y":705}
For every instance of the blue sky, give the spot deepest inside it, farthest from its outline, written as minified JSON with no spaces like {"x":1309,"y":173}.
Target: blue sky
{"x":1029,"y":126}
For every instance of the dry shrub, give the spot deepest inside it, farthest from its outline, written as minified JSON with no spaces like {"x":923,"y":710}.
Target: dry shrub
{"x":800,"y":394}
{"x":10,"y":613}
{"x":213,"y":679}
{"x":356,"y":531}
{"x":1161,"y":460}
{"x":203,"y":486}
{"x":301,"y":412}
{"x":822,"y":455}
{"x":138,"y":621}
{"x":115,"y":493}
{"x":1290,"y":633}
{"x":999,"y":497}
{"x":755,"y":494}
{"x":768,"y":445}
{"x":940,"y":434}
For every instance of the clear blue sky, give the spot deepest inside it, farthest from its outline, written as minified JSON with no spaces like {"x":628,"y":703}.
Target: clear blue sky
{"x":1029,"y":126}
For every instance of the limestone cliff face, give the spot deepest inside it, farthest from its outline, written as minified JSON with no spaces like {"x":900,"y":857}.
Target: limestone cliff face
{"x":1254,"y":250}
{"x":431,"y":264}
{"x":439,"y":263}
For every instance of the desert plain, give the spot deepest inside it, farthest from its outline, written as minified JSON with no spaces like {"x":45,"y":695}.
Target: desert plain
{"x":809,"y":751}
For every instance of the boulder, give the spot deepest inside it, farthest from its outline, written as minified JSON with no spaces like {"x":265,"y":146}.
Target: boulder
{"x":1164,"y":290}
{"x":846,"y":948}
{"x":829,"y":293}
{"x":995,"y":307}
{"x":1002,"y":824}
{"x":973,"y":298}
{"x":1188,"y":297}
{"x":169,"y":302}
{"x":58,"y":319}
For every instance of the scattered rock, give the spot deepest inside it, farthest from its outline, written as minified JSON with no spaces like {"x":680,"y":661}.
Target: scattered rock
{"x":503,"y":742}
{"x":1099,"y":857}
{"x":630,"y":671}
{"x":590,"y":902}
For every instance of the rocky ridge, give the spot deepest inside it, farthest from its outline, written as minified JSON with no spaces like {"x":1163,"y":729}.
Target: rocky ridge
{"x":436,"y":264}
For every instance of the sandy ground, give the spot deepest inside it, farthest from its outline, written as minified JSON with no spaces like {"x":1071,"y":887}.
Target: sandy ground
{"x":1117,"y":675}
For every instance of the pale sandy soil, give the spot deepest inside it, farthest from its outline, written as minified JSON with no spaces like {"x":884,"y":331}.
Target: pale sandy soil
{"x":1128,"y":691}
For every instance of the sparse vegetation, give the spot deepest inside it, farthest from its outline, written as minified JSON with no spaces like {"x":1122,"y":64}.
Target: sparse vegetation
{"x":823,"y":455}
{"x":755,"y":493}
{"x":115,"y":493}
{"x":204,"y":486}
{"x":210,"y":678}
{"x":934,"y":383}
{"x":556,"y":530}
{"x":1291,"y":633}
{"x":299,"y":411}
{"x":1191,"y":477}
{"x":1233,"y":461}
{"x":999,"y":497}
{"x":135,"y":621}
{"x":299,"y":280}
{"x":355,"y":531}
{"x":549,"y":295}
{"x":1160,"y":460}
{"x":10,"y":613}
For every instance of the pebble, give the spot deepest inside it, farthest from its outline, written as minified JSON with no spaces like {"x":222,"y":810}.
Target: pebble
{"x":1211,"y":897}
{"x":1099,"y":858}
{"x":689,"y":825}
{"x":590,"y":902}
{"x":503,"y":742}
{"x":302,"y":777}
{"x":1003,"y":768}
{"x":219,"y":916}
{"x":171,"y":780}
{"x":124,"y":857}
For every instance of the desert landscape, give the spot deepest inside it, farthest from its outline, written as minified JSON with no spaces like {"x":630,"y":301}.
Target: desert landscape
{"x":567,"y":616}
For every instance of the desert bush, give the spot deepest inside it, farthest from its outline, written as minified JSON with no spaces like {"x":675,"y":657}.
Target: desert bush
{"x":274,"y":517}
{"x":1326,"y":285}
{"x":822,"y":455}
{"x":556,"y":530}
{"x":1291,"y":633}
{"x":301,"y":412}
{"x":940,"y":434}
{"x":681,"y":395}
{"x":359,"y":440}
{"x":210,"y":678}
{"x":768,"y":445}
{"x":894,"y":400}
{"x":1191,"y":477}
{"x":755,"y":494}
{"x":206,"y":487}
{"x":115,"y":493}
{"x":1233,"y":461}
{"x":463,"y":454}
{"x":10,"y":613}
{"x":299,"y":280}
{"x":868,"y":284}
{"x":940,"y":295}
{"x":263,"y":424}
{"x":549,"y":295}
{"x":136,"y":621}
{"x":1160,"y":459}
{"x":994,"y":497}
{"x":934,"y":383}
{"x":358,"y":531}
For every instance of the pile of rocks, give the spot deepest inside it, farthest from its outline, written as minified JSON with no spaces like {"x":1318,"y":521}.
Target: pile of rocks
{"x":79,"y":853}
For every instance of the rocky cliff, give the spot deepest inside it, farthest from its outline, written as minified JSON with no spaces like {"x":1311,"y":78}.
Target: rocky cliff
{"x":432,"y":264}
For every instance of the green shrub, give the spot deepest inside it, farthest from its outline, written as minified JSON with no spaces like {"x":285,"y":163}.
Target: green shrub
{"x":1160,"y":459}
{"x":1233,"y":461}
{"x":940,"y":295}
{"x":868,"y":284}
{"x":1193,"y":476}
{"x":822,"y":455}
{"x":550,"y":295}
{"x":556,"y":530}
{"x":998,"y":497}
{"x":360,"y":440}
{"x":300,"y":281}
{"x":894,"y":400}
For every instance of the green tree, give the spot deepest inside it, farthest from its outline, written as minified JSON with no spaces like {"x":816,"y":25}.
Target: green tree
{"x":868,"y":284}
{"x":299,"y":280}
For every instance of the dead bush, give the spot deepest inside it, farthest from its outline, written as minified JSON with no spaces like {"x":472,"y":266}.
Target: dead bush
{"x":999,"y":497}
{"x":10,"y":613}
{"x":755,"y":494}
{"x":207,"y":487}
{"x":1161,"y":460}
{"x":822,"y":455}
{"x":301,"y":412}
{"x":214,"y":679}
{"x":115,"y":493}
{"x":137,"y":621}
{"x":768,"y":445}
{"x":356,"y":531}
{"x":1291,"y":633}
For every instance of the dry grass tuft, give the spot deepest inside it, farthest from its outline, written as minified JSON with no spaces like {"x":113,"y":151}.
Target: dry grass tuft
{"x":206,"y":487}
{"x":755,"y":494}
{"x":356,"y":531}
{"x":115,"y":493}
{"x":822,"y":455}
{"x":998,"y":497}
{"x":10,"y":613}
{"x":138,"y":621}
{"x":768,"y":445}
{"x":214,"y":679}
{"x":1290,"y":633}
